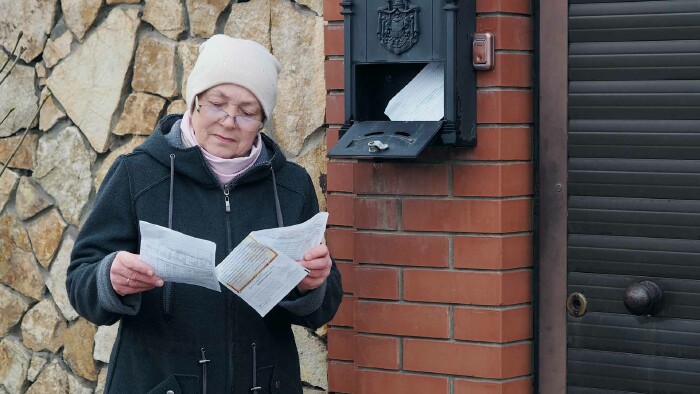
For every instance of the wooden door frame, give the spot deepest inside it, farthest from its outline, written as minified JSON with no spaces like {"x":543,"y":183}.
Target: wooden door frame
{"x":552,"y":75}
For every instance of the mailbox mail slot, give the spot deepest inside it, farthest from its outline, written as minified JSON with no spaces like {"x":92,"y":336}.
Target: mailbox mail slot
{"x":388,"y":43}
{"x":400,"y":140}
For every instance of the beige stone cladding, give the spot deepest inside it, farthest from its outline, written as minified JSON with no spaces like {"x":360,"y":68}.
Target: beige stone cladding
{"x":112,"y":68}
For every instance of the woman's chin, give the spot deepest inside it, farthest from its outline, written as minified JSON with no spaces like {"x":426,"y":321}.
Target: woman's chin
{"x":221,"y":153}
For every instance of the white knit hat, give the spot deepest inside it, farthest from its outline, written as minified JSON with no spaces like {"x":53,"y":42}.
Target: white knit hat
{"x":223,"y":59}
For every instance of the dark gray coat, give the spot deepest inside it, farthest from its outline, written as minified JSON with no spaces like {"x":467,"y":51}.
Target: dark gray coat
{"x":163,"y":331}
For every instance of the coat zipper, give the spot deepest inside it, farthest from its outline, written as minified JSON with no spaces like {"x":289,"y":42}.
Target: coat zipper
{"x":168,"y":288}
{"x":229,"y":186}
{"x":229,"y":297}
{"x":226,"y":200}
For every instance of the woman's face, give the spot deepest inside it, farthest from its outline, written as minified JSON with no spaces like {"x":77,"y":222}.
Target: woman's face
{"x":215,"y":128}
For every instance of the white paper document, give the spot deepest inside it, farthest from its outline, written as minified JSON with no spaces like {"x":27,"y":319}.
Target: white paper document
{"x":263,"y":268}
{"x":423,"y":99}
{"x":177,"y":257}
{"x":294,"y":241}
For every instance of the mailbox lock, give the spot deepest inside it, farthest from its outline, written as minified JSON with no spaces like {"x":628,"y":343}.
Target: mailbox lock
{"x":376,"y":146}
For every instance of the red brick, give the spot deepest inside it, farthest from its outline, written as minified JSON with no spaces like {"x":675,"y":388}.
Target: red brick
{"x":510,"y":6}
{"x":347,"y":274}
{"x":510,"y":70}
{"x":402,"y":319}
{"x":519,"y":386}
{"x":339,"y":176}
{"x":399,"y":249}
{"x":333,"y":39}
{"x":518,"y":287}
{"x":335,"y":74}
{"x":493,"y":325}
{"x":332,"y":136}
{"x":481,"y":216}
{"x":376,"y":382}
{"x":493,"y":252}
{"x":331,"y":10}
{"x":376,"y":213}
{"x":341,"y":377}
{"x":512,"y":32}
{"x":376,"y":352}
{"x":411,"y":179}
{"x":492,"y":180}
{"x":499,"y":143}
{"x":382,"y":283}
{"x":335,"y":108}
{"x":340,"y":243}
{"x":471,"y":288}
{"x":467,"y":359}
{"x":504,"y":106}
{"x":341,"y":209}
{"x":344,"y":317}
{"x":341,"y":344}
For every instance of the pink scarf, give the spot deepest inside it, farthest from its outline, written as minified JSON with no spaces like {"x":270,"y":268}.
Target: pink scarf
{"x":224,"y":169}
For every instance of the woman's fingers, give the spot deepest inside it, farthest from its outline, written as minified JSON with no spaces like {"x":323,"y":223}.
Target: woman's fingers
{"x":318,"y":262}
{"x":309,"y":283}
{"x":136,"y":284}
{"x":136,"y":277}
{"x":318,"y":268}
{"x":320,"y":273}
{"x":130,"y":275}
{"x":134,"y":263}
{"x":317,"y":251}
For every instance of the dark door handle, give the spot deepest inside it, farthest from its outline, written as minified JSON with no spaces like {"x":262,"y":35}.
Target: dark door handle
{"x":643,"y":298}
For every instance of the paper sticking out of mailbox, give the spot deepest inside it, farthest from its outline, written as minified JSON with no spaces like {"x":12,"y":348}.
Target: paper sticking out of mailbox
{"x":423,"y":99}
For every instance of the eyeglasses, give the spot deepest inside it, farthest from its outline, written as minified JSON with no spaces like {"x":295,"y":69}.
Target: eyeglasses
{"x":214,"y":113}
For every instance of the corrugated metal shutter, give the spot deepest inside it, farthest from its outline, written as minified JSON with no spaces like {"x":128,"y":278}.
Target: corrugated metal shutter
{"x":634,"y":193}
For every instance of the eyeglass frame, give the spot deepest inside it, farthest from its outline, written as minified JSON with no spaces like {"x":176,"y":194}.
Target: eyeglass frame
{"x":235,"y":118}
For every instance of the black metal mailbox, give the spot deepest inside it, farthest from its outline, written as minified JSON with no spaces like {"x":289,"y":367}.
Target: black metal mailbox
{"x":387,"y":43}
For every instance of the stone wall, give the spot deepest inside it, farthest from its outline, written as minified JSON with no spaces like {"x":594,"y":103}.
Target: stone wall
{"x":113,"y":68}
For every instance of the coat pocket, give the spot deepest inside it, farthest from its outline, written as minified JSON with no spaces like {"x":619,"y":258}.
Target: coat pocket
{"x":177,"y":384}
{"x":281,"y":383}
{"x":262,"y":380}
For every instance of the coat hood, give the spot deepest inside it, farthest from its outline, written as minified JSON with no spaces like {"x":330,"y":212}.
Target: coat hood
{"x":191,"y":162}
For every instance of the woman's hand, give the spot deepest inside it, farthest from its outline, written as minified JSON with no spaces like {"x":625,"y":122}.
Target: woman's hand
{"x":318,"y":261}
{"x":130,"y":275}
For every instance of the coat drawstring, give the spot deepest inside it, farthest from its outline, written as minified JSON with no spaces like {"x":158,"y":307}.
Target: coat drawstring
{"x":168,"y":288}
{"x":204,"y":362}
{"x":255,"y":387}
{"x":278,"y":209}
{"x":172,"y":183}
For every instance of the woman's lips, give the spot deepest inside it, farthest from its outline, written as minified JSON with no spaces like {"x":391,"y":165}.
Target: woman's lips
{"x":224,"y":139}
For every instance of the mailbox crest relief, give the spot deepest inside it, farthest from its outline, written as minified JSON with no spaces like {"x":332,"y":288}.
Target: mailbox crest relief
{"x":398,"y":26}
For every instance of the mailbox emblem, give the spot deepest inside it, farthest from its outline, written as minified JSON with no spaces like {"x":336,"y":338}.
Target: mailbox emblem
{"x":398,"y":26}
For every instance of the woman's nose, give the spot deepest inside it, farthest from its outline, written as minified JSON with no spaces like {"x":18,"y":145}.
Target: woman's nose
{"x":232,"y":123}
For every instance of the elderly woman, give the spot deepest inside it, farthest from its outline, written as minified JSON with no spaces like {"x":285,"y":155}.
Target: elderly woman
{"x":210,"y":174}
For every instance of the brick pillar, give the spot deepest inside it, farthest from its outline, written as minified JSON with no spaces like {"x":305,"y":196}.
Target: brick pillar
{"x":436,"y":254}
